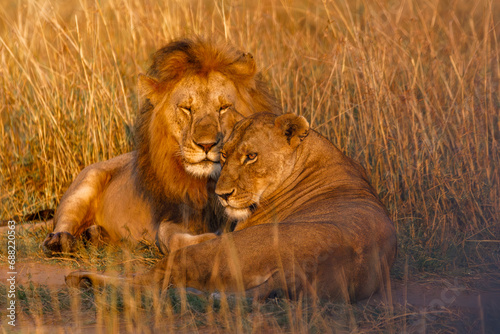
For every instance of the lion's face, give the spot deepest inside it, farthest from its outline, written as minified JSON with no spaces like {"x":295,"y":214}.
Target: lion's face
{"x":196,"y":111}
{"x":258,"y":157}
{"x":197,"y":107}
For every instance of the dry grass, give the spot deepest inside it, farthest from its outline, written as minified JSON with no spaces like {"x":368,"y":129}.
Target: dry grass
{"x":410,"y":89}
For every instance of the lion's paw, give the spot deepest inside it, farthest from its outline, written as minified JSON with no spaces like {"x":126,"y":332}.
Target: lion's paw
{"x":96,"y":235}
{"x":57,"y":243}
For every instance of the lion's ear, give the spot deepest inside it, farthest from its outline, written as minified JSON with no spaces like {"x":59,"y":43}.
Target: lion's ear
{"x":148,"y":88}
{"x":227,"y":122}
{"x":295,"y":128}
{"x":245,"y":66}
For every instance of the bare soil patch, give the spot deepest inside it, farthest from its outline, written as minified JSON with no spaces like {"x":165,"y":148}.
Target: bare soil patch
{"x":50,"y":275}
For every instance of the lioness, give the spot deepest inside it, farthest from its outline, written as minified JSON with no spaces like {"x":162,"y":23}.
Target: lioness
{"x":193,"y":89}
{"x":309,"y":221}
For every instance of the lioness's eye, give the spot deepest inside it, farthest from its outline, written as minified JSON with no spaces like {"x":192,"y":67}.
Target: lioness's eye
{"x":222,"y":158}
{"x":251,"y":156}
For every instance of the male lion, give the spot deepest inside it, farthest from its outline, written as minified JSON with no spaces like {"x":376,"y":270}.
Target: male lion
{"x":309,"y":221}
{"x":193,"y":89}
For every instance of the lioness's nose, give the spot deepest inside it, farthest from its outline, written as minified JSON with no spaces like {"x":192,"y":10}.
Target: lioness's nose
{"x":224,"y":195}
{"x":206,"y":146}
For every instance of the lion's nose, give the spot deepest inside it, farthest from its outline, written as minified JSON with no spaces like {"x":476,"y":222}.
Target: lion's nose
{"x":206,"y":146}
{"x":224,"y":196}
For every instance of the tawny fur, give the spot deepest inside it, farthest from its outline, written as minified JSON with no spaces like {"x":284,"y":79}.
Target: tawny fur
{"x":314,"y":225}
{"x":158,"y":163}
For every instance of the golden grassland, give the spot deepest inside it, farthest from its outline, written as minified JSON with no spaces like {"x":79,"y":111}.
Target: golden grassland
{"x":408,"y":88}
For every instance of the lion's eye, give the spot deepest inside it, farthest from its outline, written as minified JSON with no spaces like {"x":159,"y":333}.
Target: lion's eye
{"x":224,"y":108}
{"x":251,"y":157}
{"x":187,"y":110}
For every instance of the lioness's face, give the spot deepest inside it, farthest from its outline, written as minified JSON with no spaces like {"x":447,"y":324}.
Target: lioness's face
{"x":197,"y":108}
{"x":257,"y":159}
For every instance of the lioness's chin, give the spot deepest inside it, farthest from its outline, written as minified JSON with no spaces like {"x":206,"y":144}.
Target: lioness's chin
{"x":238,"y":214}
{"x":203,"y":169}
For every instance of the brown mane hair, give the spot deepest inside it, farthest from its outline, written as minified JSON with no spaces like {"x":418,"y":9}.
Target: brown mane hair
{"x":158,"y":170}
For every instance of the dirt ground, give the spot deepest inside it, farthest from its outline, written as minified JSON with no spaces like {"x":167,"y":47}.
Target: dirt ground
{"x":50,"y":275}
{"x":477,"y":298}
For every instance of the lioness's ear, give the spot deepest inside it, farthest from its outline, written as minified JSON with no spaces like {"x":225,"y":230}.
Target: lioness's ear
{"x":227,"y":122}
{"x":294,"y":127}
{"x":148,"y":88}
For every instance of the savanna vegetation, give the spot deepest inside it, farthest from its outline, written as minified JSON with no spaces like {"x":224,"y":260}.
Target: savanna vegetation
{"x":410,"y":89}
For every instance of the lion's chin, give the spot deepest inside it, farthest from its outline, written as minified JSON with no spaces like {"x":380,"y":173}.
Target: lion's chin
{"x":203,"y":169}
{"x":238,"y":214}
